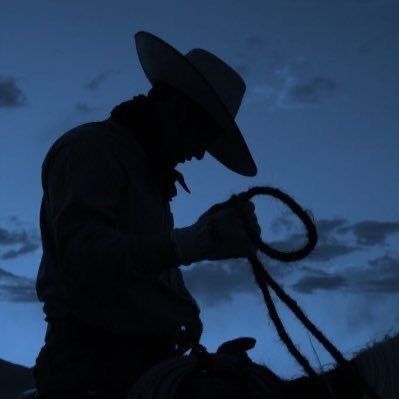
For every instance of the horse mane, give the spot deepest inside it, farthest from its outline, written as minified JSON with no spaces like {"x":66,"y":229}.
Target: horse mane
{"x":378,"y":364}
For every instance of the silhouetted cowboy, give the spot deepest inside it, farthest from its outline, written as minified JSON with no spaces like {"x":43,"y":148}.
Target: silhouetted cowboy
{"x":113,"y":293}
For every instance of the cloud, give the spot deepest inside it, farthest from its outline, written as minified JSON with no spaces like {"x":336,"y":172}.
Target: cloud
{"x":256,"y":59}
{"x":318,"y":280}
{"x":26,"y":248}
{"x":215,"y":282}
{"x":330,"y":244}
{"x":277,"y":77}
{"x":15,"y":288}
{"x":326,"y":227}
{"x":334,"y":235}
{"x":96,"y":82}
{"x":371,"y":232}
{"x":337,"y":238}
{"x":379,"y":276}
{"x":327,"y":248}
{"x":298,"y":91}
{"x":27,"y":239}
{"x":85,"y":108}
{"x":10,"y":94}
{"x":248,"y":60}
{"x":312,"y":91}
{"x":331,"y":250}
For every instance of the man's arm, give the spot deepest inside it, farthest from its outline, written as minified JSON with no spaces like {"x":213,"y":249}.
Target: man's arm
{"x":89,"y":244}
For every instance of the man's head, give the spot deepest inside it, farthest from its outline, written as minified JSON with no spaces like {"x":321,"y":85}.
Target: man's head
{"x":188,"y":129}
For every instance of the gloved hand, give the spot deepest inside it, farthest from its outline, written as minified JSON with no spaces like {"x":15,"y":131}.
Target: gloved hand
{"x":219,"y":233}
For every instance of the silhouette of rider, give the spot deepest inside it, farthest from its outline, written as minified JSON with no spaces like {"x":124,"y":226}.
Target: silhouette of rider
{"x":110,"y":279}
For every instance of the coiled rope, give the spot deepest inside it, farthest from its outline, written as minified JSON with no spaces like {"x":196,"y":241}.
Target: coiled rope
{"x":162,"y":381}
{"x":177,"y":376}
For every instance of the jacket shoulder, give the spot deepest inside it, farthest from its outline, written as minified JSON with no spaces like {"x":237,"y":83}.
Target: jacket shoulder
{"x":87,"y":131}
{"x":92,"y":132}
{"x":105,"y":132}
{"x":99,"y":134}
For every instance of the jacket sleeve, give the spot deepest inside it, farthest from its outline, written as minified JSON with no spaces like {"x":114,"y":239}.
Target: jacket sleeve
{"x":84,"y":185}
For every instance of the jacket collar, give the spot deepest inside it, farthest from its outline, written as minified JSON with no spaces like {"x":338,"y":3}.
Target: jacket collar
{"x":135,"y":119}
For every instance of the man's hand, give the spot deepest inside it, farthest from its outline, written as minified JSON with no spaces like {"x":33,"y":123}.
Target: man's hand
{"x":218,"y":234}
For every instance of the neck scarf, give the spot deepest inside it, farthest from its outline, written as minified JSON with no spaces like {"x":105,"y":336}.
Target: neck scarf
{"x":138,"y":116}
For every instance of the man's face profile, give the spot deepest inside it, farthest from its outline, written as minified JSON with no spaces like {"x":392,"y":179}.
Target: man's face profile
{"x":195,"y":131}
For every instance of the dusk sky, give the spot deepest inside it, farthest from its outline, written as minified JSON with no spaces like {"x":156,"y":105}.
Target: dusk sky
{"x":320,"y":116}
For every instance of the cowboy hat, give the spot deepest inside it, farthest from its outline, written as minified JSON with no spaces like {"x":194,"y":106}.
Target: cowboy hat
{"x":208,"y":81}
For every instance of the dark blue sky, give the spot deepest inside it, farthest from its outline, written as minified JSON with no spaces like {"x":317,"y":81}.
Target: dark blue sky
{"x":320,"y":116}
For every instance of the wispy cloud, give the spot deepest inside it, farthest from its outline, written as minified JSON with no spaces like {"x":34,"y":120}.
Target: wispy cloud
{"x":97,"y":81}
{"x":379,"y":275}
{"x":371,"y":232}
{"x":279,"y":79}
{"x":27,"y":239}
{"x":84,"y":108}
{"x":217,"y":282}
{"x":331,"y":244}
{"x":318,"y":280}
{"x":327,"y":248}
{"x":313,"y":91}
{"x":11,"y":96}
{"x":294,"y":90}
{"x":15,"y":288}
{"x":335,"y":236}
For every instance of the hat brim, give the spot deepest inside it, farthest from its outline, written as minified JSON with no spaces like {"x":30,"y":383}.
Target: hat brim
{"x":163,"y":63}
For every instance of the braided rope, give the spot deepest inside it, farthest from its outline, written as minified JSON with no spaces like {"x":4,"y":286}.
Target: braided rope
{"x":264,"y":280}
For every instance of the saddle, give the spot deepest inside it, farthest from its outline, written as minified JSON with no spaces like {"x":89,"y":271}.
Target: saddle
{"x":236,"y":348}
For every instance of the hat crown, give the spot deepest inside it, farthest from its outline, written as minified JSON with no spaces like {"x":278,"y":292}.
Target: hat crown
{"x":226,"y":82}
{"x":209,"y":81}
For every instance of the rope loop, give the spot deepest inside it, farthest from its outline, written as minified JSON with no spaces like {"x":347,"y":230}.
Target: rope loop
{"x":264,"y":280}
{"x":292,"y":256}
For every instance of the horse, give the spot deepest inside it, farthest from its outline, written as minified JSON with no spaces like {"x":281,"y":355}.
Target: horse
{"x":379,"y":366}
{"x":229,"y":373}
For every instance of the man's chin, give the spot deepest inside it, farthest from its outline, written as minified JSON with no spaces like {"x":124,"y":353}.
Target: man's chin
{"x":174,"y":163}
{"x":180,"y":160}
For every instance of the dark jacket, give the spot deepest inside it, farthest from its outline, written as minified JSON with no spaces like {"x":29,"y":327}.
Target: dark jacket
{"x":108,"y":257}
